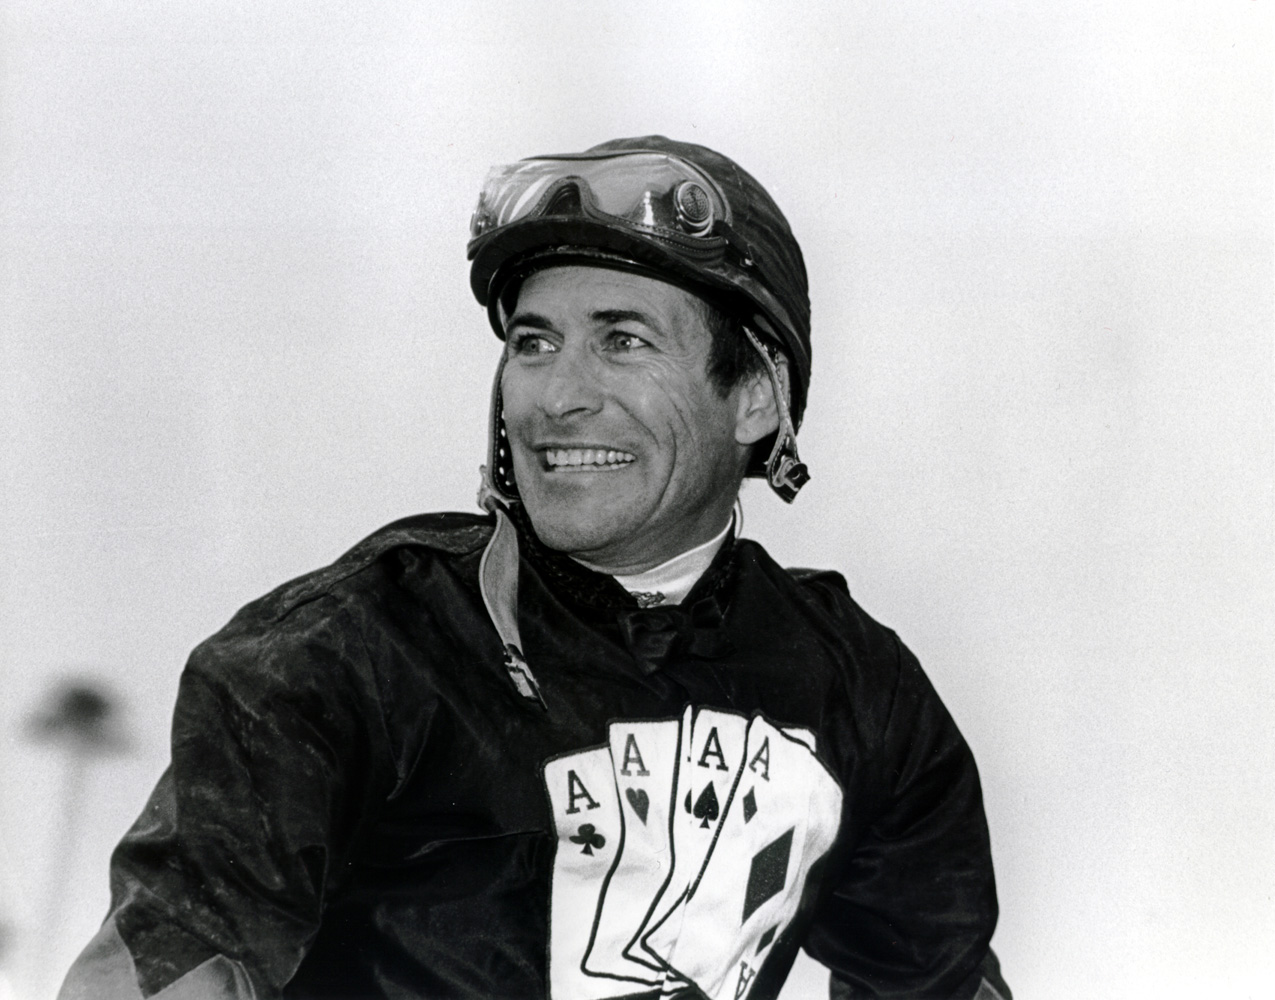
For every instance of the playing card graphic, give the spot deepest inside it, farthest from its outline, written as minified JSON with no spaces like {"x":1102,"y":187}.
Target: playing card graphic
{"x":803,"y":736}
{"x":586,"y":816}
{"x":683,"y":848}
{"x":785,"y":817}
{"x":644,"y":758}
{"x":710,"y":764}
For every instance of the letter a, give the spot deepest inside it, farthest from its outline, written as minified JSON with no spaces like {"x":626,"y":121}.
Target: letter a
{"x":762,"y":755}
{"x":713,"y":748}
{"x":576,"y":790}
{"x":632,"y":755}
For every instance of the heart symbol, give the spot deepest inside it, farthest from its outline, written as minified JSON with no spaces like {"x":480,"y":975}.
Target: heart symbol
{"x":640,"y":801}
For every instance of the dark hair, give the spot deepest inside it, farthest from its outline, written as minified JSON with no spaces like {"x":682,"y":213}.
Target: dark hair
{"x":731,"y":358}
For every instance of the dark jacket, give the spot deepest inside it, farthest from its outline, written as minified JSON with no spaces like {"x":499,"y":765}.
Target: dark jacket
{"x":357,"y":801}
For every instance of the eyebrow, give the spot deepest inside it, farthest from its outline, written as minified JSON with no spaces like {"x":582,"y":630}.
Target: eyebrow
{"x":620,"y":315}
{"x":598,"y":316}
{"x":528,"y":319}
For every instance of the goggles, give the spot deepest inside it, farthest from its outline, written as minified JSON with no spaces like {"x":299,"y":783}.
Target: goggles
{"x":656,"y":192}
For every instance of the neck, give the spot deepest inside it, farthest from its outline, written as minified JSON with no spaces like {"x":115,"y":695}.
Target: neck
{"x":633,"y":567}
{"x":670,"y":581}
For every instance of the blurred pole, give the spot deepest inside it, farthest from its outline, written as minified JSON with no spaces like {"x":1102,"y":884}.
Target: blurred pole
{"x":82,"y":721}
{"x":45,"y":980}
{"x":6,"y":986}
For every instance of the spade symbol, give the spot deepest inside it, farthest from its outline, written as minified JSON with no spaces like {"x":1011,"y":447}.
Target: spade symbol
{"x":639,"y":800}
{"x":589,"y":838}
{"x":706,"y":807}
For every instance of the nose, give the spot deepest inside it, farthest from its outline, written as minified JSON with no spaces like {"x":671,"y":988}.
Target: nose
{"x":570,"y":387}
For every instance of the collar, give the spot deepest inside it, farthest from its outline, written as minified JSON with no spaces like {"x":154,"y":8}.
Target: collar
{"x":601,"y":591}
{"x":671,"y":581}
{"x":652,"y":635}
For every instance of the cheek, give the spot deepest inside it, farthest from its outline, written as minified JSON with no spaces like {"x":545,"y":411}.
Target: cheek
{"x":693,"y":417}
{"x":668,"y":405}
{"x":513,"y":400}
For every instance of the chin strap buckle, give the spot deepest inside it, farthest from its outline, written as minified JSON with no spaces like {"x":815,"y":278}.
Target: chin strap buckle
{"x":524,"y":680}
{"x":785,"y":471}
{"x":488,"y":495}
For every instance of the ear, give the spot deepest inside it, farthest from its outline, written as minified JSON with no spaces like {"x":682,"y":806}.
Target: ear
{"x":757,"y":412}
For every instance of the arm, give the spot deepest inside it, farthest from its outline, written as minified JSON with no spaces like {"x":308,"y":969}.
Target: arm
{"x":914,"y":907}
{"x":218,"y":888}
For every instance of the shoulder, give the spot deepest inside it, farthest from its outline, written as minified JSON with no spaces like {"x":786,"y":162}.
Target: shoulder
{"x":824,"y":585}
{"x":815,"y":610}
{"x":297,"y":675}
{"x":824,"y":593}
{"x":894,"y":707}
{"x":449,"y":536}
{"x":302,"y":651}
{"x":324,"y":608}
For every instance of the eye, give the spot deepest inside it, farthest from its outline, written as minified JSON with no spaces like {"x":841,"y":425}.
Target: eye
{"x":622,"y":340}
{"x":528,"y":343}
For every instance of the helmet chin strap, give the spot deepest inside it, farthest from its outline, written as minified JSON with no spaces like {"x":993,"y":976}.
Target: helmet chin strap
{"x":498,"y":568}
{"x":498,"y":487}
{"x":498,"y":583}
{"x":784,"y":469}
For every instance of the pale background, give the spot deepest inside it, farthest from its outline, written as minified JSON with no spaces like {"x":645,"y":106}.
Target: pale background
{"x":236,"y":336}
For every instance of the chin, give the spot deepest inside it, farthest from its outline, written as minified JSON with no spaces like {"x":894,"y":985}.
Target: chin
{"x":567,"y":529}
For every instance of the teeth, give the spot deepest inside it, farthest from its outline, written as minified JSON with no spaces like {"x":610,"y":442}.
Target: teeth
{"x":603,"y":457}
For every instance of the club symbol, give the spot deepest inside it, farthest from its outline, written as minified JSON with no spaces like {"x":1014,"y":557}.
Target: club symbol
{"x":589,"y":838}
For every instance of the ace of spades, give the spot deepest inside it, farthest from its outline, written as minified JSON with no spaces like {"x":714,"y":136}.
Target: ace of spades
{"x":708,"y":770}
{"x":706,"y":808}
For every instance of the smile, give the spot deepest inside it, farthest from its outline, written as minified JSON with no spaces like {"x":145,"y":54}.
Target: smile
{"x":586,"y":459}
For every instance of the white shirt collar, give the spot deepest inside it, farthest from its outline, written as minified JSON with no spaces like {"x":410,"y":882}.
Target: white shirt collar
{"x":675,"y":578}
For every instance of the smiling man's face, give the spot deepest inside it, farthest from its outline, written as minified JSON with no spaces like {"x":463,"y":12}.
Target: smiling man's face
{"x":624,"y":451}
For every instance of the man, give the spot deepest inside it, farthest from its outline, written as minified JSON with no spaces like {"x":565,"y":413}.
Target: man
{"x":590,"y":745}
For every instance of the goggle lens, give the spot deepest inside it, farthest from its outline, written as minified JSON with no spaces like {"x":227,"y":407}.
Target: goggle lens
{"x":653,"y":191}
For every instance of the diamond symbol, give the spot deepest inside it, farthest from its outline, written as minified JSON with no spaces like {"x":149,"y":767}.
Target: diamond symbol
{"x":766,"y":939}
{"x":767,"y":873}
{"x":750,"y":805}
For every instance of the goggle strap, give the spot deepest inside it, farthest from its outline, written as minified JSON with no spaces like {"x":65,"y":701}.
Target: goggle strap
{"x":784,"y":469}
{"x":733,"y":240}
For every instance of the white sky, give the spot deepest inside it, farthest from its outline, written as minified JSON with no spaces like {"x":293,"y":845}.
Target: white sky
{"x":236,"y":336}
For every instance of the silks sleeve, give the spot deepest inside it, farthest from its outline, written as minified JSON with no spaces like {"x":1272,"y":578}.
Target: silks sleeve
{"x":914,"y":906}
{"x":278,"y":754}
